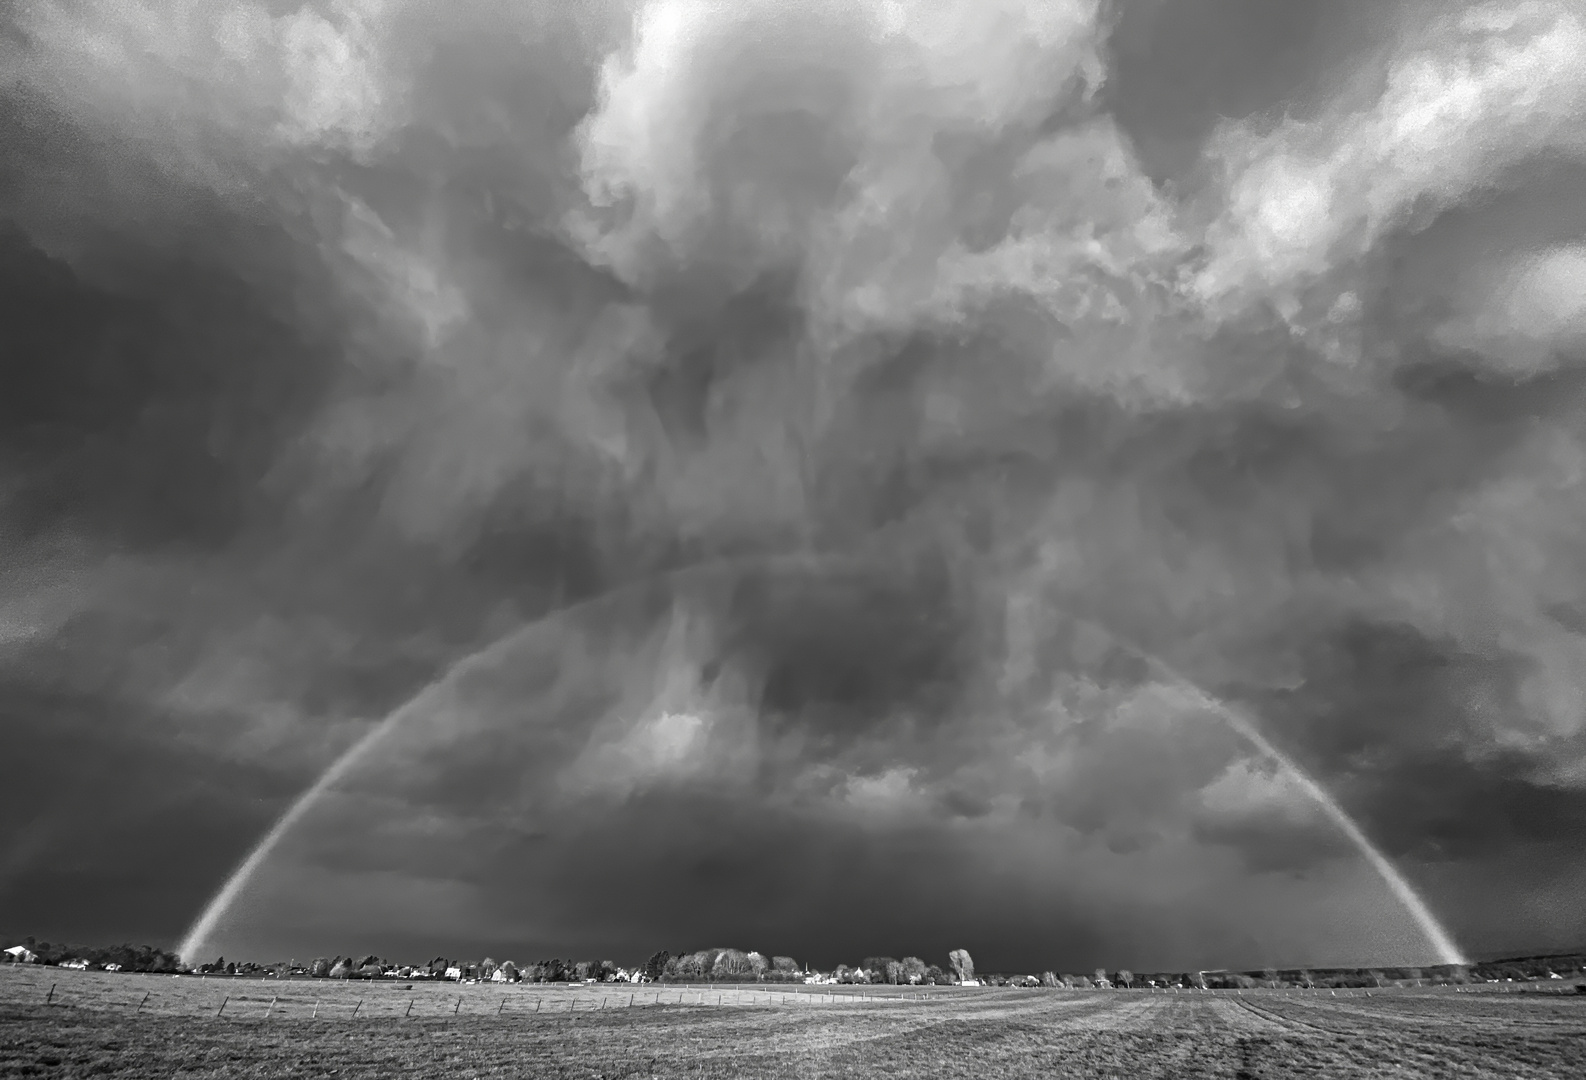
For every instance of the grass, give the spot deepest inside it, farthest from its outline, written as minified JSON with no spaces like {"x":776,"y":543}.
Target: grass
{"x":144,"y":1026}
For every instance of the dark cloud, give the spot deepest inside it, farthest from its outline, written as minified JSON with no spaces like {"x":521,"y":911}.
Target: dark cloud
{"x":768,"y":458}
{"x":147,"y":409}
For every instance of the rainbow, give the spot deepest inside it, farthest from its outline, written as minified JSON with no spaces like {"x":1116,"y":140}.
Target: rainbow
{"x":432,"y":697}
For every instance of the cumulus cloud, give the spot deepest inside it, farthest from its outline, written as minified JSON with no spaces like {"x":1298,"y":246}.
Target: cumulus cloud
{"x":810,"y":419}
{"x":1525,"y":316}
{"x":1477,"y":92}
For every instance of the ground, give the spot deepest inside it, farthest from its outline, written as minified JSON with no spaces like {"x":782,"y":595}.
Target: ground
{"x":56,"y":1023}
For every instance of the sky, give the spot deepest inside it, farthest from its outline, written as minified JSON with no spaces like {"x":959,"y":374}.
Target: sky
{"x":810,"y":477}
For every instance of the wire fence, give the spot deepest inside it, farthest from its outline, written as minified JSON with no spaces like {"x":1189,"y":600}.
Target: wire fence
{"x":237,"y":998}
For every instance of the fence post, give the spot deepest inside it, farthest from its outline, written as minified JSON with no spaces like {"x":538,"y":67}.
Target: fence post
{"x":51,"y":995}
{"x":316,"y":1010}
{"x":537,"y":1004}
{"x":503,"y":1005}
{"x":457,"y":1006}
{"x":409,"y":1010}
{"x":145,"y":999}
{"x":222,"y":1006}
{"x":356,"y":1007}
{"x":271,"y":1009}
{"x":630,"y":1001}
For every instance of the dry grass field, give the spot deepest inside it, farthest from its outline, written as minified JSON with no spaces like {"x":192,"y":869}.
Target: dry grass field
{"x":96,"y":1024}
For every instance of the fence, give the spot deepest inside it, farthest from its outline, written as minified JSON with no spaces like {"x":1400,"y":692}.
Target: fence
{"x":239,"y":998}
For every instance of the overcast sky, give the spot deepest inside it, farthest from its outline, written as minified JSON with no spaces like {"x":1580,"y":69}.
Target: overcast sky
{"x":809,"y":407}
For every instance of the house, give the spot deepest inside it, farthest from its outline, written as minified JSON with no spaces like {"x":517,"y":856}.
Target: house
{"x":21,"y":954}
{"x":112,"y":967}
{"x":75,"y":965}
{"x":454,"y":973}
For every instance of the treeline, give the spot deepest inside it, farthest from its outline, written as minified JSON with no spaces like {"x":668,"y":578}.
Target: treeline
{"x":735,"y":965}
{"x":129,"y":957}
{"x":373,"y":967}
{"x":720,"y":965}
{"x":1531,"y":967}
{"x":1559,"y":966}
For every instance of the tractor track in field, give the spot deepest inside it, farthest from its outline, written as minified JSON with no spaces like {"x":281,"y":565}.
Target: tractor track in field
{"x":1287,"y":1024}
{"x":1406,"y":1014}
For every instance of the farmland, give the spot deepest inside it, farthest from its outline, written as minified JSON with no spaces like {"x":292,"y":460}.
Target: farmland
{"x":69,"y":1023}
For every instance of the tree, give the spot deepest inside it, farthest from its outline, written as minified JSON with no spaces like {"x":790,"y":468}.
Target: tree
{"x":654,"y":966}
{"x":342,"y":969}
{"x":877,"y":967}
{"x":1049,"y":978}
{"x":894,"y":972}
{"x":320,"y":968}
{"x":913,"y":969}
{"x":1125,"y":978}
{"x":729,"y":964}
{"x":784,"y":965}
{"x":1101,"y":978}
{"x":963,"y":966}
{"x":935,"y":975}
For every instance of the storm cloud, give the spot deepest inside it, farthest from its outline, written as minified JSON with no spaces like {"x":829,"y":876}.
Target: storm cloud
{"x":809,"y":418}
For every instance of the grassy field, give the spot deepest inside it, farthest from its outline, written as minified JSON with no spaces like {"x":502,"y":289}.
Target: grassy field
{"x":146,"y":1026}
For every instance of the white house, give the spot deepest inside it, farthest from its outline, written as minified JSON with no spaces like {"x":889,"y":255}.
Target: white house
{"x":454,"y":973}
{"x":21,"y":954}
